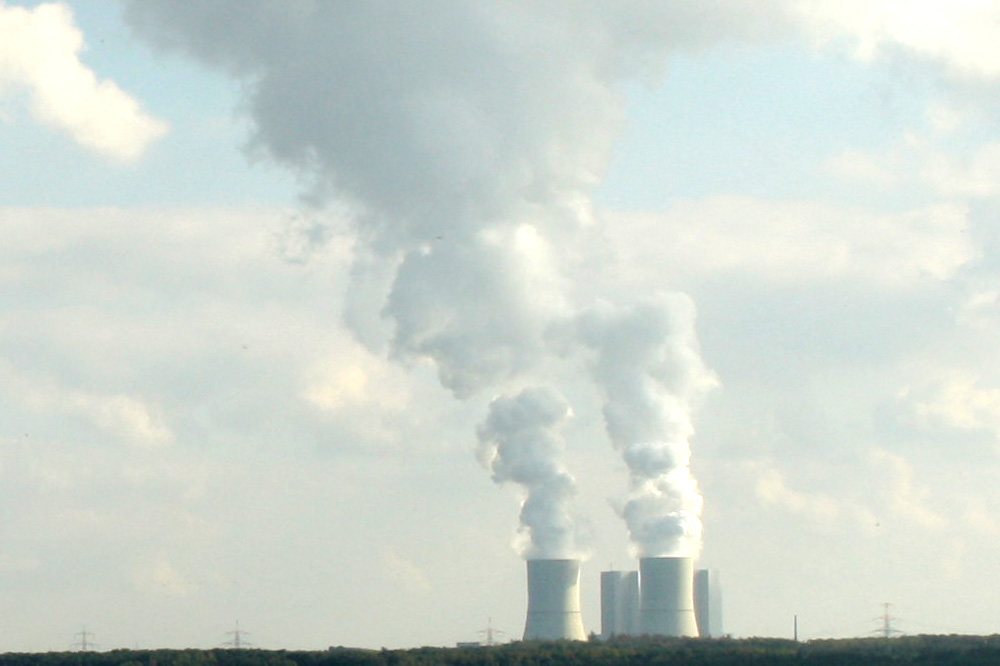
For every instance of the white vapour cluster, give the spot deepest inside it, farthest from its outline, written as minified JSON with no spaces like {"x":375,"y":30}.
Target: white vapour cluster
{"x":520,"y":442}
{"x":465,"y":138}
{"x":647,"y":365}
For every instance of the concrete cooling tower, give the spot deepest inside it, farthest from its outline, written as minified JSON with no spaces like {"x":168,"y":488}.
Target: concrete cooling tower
{"x":619,"y":603}
{"x":666,"y":598}
{"x":554,"y":601}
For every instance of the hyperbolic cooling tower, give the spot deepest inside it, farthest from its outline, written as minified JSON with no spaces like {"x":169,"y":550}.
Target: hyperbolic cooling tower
{"x":554,"y":601}
{"x":666,"y":597}
{"x":619,"y":603}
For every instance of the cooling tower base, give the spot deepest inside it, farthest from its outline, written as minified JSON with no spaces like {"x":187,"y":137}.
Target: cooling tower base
{"x":554,"y":601}
{"x":666,"y":604}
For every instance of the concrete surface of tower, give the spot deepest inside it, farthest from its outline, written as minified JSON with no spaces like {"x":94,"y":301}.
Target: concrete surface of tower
{"x":666,"y":596}
{"x":708,"y":603}
{"x":619,"y":603}
{"x":554,"y":601}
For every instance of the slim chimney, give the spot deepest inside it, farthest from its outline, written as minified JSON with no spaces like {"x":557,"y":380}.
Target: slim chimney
{"x":666,"y":596}
{"x":554,"y":601}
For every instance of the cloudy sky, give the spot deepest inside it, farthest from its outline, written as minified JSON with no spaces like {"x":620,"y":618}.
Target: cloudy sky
{"x":300,"y":301}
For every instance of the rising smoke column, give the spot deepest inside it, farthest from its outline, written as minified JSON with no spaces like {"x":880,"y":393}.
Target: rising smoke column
{"x":647,"y":365}
{"x":521,"y":442}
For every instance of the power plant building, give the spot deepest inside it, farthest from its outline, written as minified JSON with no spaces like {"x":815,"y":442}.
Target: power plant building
{"x":666,"y":597}
{"x":708,"y":603}
{"x":619,"y":603}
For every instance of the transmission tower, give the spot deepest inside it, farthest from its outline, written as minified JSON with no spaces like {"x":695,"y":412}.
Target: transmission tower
{"x":490,"y":634}
{"x":887,"y":631}
{"x":86,"y":643}
{"x":238,"y":640}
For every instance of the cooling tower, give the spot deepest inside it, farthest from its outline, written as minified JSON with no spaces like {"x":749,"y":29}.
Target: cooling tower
{"x":554,"y":601}
{"x":666,"y":596}
{"x":708,"y":603}
{"x":619,"y":603}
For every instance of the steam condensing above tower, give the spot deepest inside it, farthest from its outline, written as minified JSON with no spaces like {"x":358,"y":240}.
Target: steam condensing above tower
{"x":645,"y":361}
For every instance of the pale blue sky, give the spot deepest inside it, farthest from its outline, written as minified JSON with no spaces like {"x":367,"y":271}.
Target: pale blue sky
{"x":200,"y":162}
{"x":725,"y":122}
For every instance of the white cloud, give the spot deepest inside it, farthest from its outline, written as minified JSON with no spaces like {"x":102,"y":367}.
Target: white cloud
{"x":126,"y":417}
{"x":906,"y":499}
{"x":885,"y":489}
{"x":795,"y":242}
{"x":772,"y":489}
{"x":159,"y":577}
{"x":928,"y":164}
{"x":961,"y":35}
{"x":39,"y":53}
{"x":979,"y":310}
{"x":405,"y":573}
{"x":979,"y":516}
{"x":951,"y":407}
{"x":353,"y":377}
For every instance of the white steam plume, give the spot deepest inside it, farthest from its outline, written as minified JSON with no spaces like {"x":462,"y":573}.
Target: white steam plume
{"x":521,"y":442}
{"x":450,"y":128}
{"x":466,"y":138}
{"x":647,"y":365}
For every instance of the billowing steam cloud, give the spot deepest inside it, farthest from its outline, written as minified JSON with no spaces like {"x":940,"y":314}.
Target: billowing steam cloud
{"x":455,"y":130}
{"x":520,"y":441}
{"x":466,"y":138}
{"x":647,"y":364}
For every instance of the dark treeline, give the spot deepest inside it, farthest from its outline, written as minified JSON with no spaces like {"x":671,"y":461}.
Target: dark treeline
{"x":936,"y":650}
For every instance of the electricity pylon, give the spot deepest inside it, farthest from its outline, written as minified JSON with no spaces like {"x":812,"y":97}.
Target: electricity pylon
{"x":238,"y":641}
{"x":85,"y":644}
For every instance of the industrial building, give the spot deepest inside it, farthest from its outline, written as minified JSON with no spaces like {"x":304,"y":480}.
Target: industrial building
{"x":619,"y":603}
{"x":665,"y":597}
{"x":708,"y":603}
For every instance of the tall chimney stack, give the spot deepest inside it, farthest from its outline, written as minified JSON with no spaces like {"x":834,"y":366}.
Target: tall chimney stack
{"x":554,"y":601}
{"x":666,"y":596}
